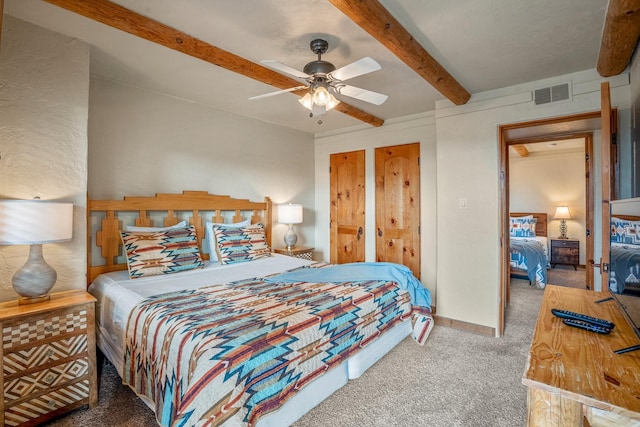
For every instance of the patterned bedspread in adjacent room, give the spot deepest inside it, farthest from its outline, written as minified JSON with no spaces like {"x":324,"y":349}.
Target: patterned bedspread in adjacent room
{"x":234,"y":352}
{"x":530,"y":256}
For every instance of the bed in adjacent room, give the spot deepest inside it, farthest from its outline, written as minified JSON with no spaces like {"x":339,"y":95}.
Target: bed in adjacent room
{"x":624,"y":276}
{"x":208,"y":326}
{"x":528,"y":247}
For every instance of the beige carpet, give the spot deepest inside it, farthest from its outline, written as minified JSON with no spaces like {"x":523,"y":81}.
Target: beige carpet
{"x":457,"y":379}
{"x":563,"y":275}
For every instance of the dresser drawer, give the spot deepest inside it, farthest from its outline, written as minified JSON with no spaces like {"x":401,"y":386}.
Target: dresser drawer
{"x":36,"y":329}
{"x":41,"y":406}
{"x":565,"y":244}
{"x":20,"y":360}
{"x":22,"y":386}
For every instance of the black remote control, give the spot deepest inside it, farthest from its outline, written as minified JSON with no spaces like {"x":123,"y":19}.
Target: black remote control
{"x":565,"y":314}
{"x":586,"y":325}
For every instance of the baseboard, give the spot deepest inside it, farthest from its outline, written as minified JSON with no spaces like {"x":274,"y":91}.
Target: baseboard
{"x":466,"y":326}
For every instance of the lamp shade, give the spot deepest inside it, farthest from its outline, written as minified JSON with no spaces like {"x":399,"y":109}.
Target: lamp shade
{"x":562,"y":212}
{"x":27,"y":222}
{"x":290,"y":213}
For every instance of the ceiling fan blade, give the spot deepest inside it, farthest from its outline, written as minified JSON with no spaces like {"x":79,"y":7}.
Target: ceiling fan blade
{"x":355,"y":69}
{"x":361,"y":94}
{"x":285,"y":68}
{"x":278,"y":92}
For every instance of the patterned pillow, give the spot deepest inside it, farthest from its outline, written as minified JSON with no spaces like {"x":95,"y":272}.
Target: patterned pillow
{"x":241,"y":244}
{"x":625,"y":231}
{"x":209,"y":244}
{"x":524,"y":226}
{"x":161,"y":252}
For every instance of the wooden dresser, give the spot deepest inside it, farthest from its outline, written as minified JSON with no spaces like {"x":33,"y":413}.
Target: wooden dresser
{"x":574,"y":376}
{"x":48,"y":357}
{"x":565,"y":251}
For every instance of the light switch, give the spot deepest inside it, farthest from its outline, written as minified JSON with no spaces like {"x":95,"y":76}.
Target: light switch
{"x":463,"y":203}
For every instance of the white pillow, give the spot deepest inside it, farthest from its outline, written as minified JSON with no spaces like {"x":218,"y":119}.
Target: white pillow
{"x":181,"y":224}
{"x":210,"y":237}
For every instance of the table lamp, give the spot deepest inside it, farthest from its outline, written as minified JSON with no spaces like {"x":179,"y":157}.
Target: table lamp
{"x":34,"y":222}
{"x":290,"y":214}
{"x":563,"y":214}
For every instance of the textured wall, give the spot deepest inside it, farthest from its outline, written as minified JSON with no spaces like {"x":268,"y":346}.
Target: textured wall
{"x":44,"y":94}
{"x":143,"y":142}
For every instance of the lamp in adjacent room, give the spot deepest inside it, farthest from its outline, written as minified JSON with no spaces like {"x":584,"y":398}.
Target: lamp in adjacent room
{"x":563,"y":214}
{"x":290,"y":214}
{"x":34,"y":222}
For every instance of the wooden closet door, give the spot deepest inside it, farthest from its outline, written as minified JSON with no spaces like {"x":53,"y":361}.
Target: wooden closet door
{"x":398,"y":205}
{"x":347,"y":211}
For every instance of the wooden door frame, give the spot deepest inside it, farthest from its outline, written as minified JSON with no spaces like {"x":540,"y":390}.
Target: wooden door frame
{"x":504,"y":144}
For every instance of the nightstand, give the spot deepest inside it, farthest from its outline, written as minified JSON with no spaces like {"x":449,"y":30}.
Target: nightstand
{"x":565,"y":251}
{"x":296,"y":252}
{"x":48,"y":357}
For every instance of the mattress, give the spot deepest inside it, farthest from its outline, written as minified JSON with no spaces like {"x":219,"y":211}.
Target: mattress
{"x":117,"y":296}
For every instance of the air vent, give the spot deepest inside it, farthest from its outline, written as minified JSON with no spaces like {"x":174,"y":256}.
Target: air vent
{"x":550,"y":94}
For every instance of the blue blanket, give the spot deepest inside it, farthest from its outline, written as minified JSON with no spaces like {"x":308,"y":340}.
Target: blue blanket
{"x":359,"y":271}
{"x":533,"y":254}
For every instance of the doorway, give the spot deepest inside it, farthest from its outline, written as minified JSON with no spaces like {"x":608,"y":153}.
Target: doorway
{"x":579,"y":125}
{"x":550,"y":177}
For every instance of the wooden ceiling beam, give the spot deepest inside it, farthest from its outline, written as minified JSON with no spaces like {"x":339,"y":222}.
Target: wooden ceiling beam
{"x":521,"y":150}
{"x":619,"y":37}
{"x":126,"y":20}
{"x":372,"y":17}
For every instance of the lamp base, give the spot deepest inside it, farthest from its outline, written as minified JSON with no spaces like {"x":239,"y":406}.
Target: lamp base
{"x":33,"y":300}
{"x":290,"y":238}
{"x":35,"y":279}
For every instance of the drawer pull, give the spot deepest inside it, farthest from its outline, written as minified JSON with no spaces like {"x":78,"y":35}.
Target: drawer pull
{"x":50,"y":353}
{"x":48,"y":328}
{"x":49,"y":378}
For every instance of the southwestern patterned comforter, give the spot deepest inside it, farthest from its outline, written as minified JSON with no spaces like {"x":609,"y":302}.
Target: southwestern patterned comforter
{"x":231,"y":353}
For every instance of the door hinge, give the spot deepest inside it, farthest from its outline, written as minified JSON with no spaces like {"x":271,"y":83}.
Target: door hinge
{"x":586,"y":157}
{"x":614,"y":138}
{"x":588,"y":232}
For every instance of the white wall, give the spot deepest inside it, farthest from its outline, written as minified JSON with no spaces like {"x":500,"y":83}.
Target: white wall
{"x":467,"y":158}
{"x":142,"y":143}
{"x":412,"y":129}
{"x":44,"y":91}
{"x":544,"y":180}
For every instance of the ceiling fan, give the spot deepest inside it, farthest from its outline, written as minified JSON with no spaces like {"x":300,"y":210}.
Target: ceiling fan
{"x":324,"y":81}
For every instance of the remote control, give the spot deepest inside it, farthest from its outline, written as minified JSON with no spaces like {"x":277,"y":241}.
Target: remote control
{"x":565,"y":314}
{"x":586,"y":325}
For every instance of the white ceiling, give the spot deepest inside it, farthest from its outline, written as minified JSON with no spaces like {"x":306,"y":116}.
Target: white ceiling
{"x":484,"y":44}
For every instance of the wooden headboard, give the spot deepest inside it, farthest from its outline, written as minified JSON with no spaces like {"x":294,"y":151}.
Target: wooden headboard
{"x":627,"y":217}
{"x":541,"y":224}
{"x":104,"y":223}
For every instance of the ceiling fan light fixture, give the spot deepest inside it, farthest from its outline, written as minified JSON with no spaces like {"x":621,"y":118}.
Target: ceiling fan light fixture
{"x":321,"y":95}
{"x":332,"y":102}
{"x":307,"y":101}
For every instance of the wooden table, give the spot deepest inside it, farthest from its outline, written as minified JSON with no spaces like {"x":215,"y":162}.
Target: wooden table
{"x":573,"y":375}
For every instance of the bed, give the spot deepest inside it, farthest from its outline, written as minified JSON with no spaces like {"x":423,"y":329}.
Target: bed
{"x":624,"y":275}
{"x":299,"y":331}
{"x":528,"y":247}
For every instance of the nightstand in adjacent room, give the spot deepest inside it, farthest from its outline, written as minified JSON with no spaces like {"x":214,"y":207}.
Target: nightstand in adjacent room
{"x":48,"y":357}
{"x":565,"y":251}
{"x":296,"y":252}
